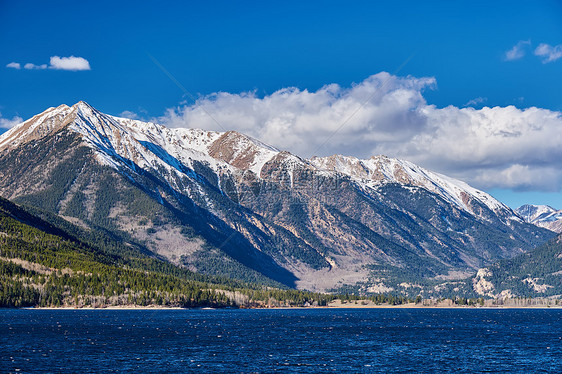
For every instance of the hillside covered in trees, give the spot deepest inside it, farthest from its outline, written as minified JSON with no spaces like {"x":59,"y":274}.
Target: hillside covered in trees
{"x":42,"y":264}
{"x":536,"y":273}
{"x":46,"y":261}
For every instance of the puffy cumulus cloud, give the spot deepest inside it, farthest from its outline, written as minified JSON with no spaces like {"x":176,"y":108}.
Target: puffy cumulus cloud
{"x":57,"y":63}
{"x":503,"y":147}
{"x":548,"y":53}
{"x":6,"y":123}
{"x":69,"y":63}
{"x":518,"y":50}
{"x":382,"y":108}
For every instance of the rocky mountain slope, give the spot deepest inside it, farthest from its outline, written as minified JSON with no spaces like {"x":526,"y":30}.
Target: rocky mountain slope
{"x":537,"y":273}
{"x":42,"y":263}
{"x":227,"y":204}
{"x":542,"y":216}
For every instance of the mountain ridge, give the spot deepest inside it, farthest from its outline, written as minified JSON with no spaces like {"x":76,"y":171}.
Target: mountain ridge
{"x":203,"y":198}
{"x":376,"y":169}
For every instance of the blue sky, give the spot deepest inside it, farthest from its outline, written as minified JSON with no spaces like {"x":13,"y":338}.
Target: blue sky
{"x":251,"y":50}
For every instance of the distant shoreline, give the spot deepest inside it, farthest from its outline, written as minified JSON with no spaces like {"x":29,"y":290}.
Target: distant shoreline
{"x":333,"y":306}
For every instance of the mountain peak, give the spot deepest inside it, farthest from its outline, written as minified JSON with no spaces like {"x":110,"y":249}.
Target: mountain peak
{"x":83,"y":105}
{"x":242,"y":151}
{"x":49,"y":122}
{"x":536,"y":207}
{"x":85,"y":109}
{"x":60,"y":107}
{"x":542,"y":216}
{"x":37,"y":127}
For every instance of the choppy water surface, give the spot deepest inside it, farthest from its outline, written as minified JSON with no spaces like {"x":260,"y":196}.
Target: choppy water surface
{"x":299,"y":340}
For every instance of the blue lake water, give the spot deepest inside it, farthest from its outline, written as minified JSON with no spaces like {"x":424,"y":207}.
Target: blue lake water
{"x":296,"y":340}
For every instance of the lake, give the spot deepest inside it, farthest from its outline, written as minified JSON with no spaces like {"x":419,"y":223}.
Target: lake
{"x":293,"y":340}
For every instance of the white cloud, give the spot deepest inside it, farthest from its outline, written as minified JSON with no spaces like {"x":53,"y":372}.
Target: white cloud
{"x":57,"y":63}
{"x":523,"y":178}
{"x":30,"y":66}
{"x":140,"y":114}
{"x":6,"y":123}
{"x":549,"y":53}
{"x":380,"y":107}
{"x":14,"y":65}
{"x":69,"y":63}
{"x":129,"y":114}
{"x":503,"y":147}
{"x":476,"y":101}
{"x":518,"y":50}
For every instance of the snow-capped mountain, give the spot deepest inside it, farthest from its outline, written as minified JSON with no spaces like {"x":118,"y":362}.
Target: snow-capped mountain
{"x":542,"y":216}
{"x":382,"y":169}
{"x":225,"y":203}
{"x":150,"y":145}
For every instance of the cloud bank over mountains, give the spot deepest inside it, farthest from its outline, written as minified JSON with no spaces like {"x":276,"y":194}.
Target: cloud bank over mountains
{"x":499,"y":147}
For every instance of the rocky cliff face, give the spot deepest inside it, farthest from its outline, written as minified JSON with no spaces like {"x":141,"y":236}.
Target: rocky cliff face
{"x":225,"y":203}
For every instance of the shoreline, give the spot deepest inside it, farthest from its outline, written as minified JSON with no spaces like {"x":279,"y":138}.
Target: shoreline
{"x":339,"y":306}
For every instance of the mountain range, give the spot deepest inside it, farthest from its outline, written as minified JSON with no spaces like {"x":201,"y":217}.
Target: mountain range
{"x":225,"y":204}
{"x":542,"y":216}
